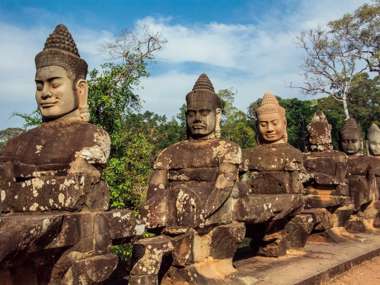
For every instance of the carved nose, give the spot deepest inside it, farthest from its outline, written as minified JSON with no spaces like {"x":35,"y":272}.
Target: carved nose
{"x":46,"y":94}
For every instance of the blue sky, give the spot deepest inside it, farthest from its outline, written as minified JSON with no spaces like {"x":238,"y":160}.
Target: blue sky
{"x":248,"y":46}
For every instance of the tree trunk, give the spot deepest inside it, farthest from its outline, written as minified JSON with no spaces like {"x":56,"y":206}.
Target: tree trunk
{"x":344,"y":100}
{"x":345,"y":107}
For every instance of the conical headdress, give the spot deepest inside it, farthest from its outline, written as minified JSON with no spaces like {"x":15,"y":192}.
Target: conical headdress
{"x":319,"y":131}
{"x":351,"y":129}
{"x":269,"y":105}
{"x":61,"y":50}
{"x":373,"y":132}
{"x":203,"y":94}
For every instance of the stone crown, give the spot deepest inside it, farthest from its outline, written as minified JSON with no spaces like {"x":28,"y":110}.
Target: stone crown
{"x":60,"y":50}
{"x":203,"y":94}
{"x":269,"y":105}
{"x":351,"y":127}
{"x":61,"y":39}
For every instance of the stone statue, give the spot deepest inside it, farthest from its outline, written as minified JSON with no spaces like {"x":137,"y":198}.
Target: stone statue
{"x":374,"y":140}
{"x":327,"y":197}
{"x":271,"y":190}
{"x":319,"y":131}
{"x":351,"y":138}
{"x":271,"y":121}
{"x":373,"y":137}
{"x":54,"y":168}
{"x":50,"y":161}
{"x":189,"y":199}
{"x":361,"y":185}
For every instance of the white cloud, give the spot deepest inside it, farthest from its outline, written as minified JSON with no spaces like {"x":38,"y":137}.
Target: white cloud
{"x":249,"y":58}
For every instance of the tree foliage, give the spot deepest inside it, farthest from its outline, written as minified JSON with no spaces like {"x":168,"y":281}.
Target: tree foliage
{"x":235,"y":125}
{"x":335,"y":55}
{"x":361,"y":31}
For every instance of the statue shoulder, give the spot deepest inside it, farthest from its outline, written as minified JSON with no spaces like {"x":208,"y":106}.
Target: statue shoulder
{"x":165,"y":157}
{"x":97,"y":150}
{"x":228,"y":152}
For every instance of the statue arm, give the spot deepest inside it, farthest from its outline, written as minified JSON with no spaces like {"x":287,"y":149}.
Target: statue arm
{"x":156,"y":209}
{"x":91,"y":160}
{"x":225,"y":181}
{"x":157,"y":184}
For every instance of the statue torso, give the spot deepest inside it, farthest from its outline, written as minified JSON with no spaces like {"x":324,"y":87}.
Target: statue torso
{"x":36,"y":163}
{"x":273,"y":169}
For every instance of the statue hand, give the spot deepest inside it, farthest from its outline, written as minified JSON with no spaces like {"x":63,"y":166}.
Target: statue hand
{"x":155,"y":212}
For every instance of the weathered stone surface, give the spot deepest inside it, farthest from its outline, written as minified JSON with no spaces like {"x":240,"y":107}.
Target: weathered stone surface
{"x":7,"y":134}
{"x":225,"y":240}
{"x":148,"y":254}
{"x":273,"y":169}
{"x":274,"y":245}
{"x":357,"y":224}
{"x":328,"y":168}
{"x":259,"y":208}
{"x":325,"y":199}
{"x":361,"y":183}
{"x":271,"y":189}
{"x":298,"y":230}
{"x":45,"y":178}
{"x":190,"y":192}
{"x":319,"y":131}
{"x":342,"y":215}
{"x":192,"y":174}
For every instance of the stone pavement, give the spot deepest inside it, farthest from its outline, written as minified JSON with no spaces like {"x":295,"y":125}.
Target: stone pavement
{"x":316,"y":265}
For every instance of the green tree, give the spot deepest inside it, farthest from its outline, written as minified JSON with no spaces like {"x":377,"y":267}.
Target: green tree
{"x":361,"y":31}
{"x":235,"y":125}
{"x":364,"y":103}
{"x":114,"y":105}
{"x":334,"y":56}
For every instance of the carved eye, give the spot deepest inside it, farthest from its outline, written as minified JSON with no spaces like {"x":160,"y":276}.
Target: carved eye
{"x":263,"y":124}
{"x":55,"y":84}
{"x":39,"y":86}
{"x":205,"y":112}
{"x":191,"y":113}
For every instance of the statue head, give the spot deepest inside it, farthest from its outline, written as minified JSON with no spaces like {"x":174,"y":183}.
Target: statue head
{"x":61,"y":86}
{"x":203,"y":111}
{"x":351,"y":137}
{"x":319,"y":131}
{"x":271,"y":121}
{"x":374,"y":140}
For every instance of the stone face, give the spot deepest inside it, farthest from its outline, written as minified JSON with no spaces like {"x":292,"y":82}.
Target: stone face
{"x":374,"y":140}
{"x":351,"y":137}
{"x":271,"y":121}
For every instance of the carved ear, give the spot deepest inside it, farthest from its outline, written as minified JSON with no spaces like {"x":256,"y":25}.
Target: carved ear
{"x":82,"y":95}
{"x":218,"y":119}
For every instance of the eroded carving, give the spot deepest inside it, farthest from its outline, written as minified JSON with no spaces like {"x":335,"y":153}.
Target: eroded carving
{"x":190,"y":198}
